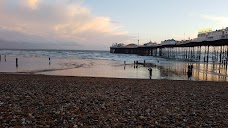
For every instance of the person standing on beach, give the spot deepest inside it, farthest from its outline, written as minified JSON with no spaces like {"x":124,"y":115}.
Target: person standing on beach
{"x":191,"y":67}
{"x":189,"y":73}
{"x":150,"y":72}
{"x":49,"y":61}
{"x":137,"y":64}
{"x":16,"y":62}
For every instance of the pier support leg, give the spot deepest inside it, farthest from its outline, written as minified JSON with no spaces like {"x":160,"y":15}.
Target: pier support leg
{"x":208,"y":53}
{"x":199,"y":53}
{"x":220,"y":55}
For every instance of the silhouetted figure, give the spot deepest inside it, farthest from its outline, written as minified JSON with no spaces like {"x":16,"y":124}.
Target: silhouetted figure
{"x":16,"y":62}
{"x":144,"y":63}
{"x":137,"y":64}
{"x":189,"y":73}
{"x":191,"y":67}
{"x":150,"y":72}
{"x":134,"y":64}
{"x":49,"y":61}
{"x":5,"y":57}
{"x":124,"y":65}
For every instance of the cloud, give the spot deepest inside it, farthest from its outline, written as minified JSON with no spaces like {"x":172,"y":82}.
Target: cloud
{"x":33,"y":4}
{"x":60,"y":21}
{"x":222,"y":21}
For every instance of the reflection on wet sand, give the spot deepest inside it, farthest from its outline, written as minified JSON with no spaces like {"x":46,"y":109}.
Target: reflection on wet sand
{"x":200,"y":72}
{"x":174,"y":70}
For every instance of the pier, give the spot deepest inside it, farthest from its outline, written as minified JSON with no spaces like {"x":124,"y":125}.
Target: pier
{"x":205,"y":51}
{"x":209,"y":46}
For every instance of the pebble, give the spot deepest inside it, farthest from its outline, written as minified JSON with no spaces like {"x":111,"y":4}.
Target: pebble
{"x":226,"y":106}
{"x":141,"y":117}
{"x":1,"y":103}
{"x":99,"y":102}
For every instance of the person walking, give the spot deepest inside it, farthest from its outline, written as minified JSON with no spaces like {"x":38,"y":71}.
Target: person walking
{"x":150,"y":72}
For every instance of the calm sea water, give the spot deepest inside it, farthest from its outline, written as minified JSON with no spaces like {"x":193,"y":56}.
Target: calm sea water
{"x":103,"y":64}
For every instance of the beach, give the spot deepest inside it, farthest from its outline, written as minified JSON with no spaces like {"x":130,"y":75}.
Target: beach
{"x":104,"y":64}
{"x":63,"y":101}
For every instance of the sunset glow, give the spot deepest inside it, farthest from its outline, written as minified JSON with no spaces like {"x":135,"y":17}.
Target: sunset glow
{"x":96,"y":25}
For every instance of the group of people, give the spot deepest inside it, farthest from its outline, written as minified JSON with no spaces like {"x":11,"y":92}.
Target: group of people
{"x":189,"y":73}
{"x":136,"y":64}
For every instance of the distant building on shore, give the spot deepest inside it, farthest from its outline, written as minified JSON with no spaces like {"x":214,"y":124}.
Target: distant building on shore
{"x":150,"y":44}
{"x":118,"y":45}
{"x":183,"y":42}
{"x":203,"y":35}
{"x":132,"y":46}
{"x":169,"y":42}
{"x":210,"y":35}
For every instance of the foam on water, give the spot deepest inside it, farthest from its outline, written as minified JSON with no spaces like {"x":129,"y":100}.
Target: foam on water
{"x":75,"y":54}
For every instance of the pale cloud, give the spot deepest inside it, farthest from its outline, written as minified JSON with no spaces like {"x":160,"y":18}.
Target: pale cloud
{"x":59,"y":21}
{"x":33,"y":4}
{"x":222,"y":21}
{"x":185,"y":36}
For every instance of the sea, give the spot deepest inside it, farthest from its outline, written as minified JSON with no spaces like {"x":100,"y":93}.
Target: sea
{"x":89,"y":63}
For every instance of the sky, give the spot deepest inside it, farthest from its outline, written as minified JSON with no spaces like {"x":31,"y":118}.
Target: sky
{"x":97,"y":24}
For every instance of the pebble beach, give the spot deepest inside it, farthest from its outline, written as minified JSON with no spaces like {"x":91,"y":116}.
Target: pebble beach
{"x":61,"y":101}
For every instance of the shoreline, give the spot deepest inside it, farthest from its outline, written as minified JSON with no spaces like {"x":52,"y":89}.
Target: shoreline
{"x":65,"y":101}
{"x":163,"y":69}
{"x":101,"y":77}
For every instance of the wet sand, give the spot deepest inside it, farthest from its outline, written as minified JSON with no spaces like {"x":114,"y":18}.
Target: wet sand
{"x":57,"y":101}
{"x":172,"y":70}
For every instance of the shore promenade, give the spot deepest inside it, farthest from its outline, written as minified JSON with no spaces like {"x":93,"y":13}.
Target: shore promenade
{"x":56,"y":101}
